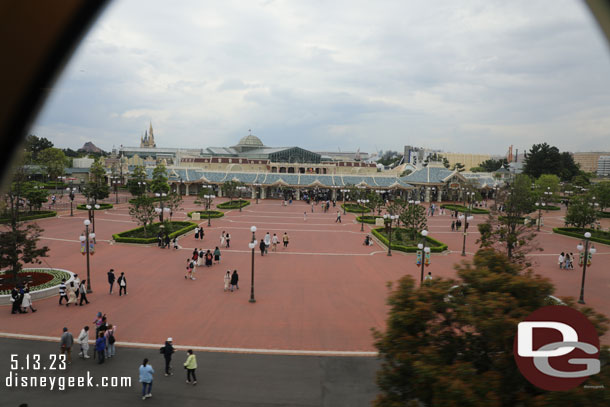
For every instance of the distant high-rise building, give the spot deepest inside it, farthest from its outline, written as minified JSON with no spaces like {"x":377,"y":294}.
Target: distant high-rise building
{"x":603,"y":166}
{"x":588,"y":161}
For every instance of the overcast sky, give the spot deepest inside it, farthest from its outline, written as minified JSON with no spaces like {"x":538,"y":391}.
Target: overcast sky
{"x":461,"y":76}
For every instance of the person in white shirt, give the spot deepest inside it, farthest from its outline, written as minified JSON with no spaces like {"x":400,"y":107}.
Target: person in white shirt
{"x":274,"y":242}
{"x":27,"y":301}
{"x":267,"y":242}
{"x":83,"y":341}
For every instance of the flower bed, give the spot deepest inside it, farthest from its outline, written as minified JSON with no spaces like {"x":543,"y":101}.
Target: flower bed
{"x":368,"y":218}
{"x":236,"y":204}
{"x":596,"y":235}
{"x":204,"y":214}
{"x":137,"y":235}
{"x":23,"y":216}
{"x":355,"y":208}
{"x":83,"y":207}
{"x":409,"y":247}
{"x":461,"y":208}
{"x":42,"y":279}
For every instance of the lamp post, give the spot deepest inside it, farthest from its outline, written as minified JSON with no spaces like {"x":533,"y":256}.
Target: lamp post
{"x":425,"y":250}
{"x":85,"y":239}
{"x":208,"y":203}
{"x":362,"y":202}
{"x":71,"y":195}
{"x":162,"y":206}
{"x":585,"y":259}
{"x":252,"y":245}
{"x":390,"y":218}
{"x":539,"y":205}
{"x":344,"y":193}
{"x":91,"y":210}
{"x":115,"y":182}
{"x":141,"y":185}
{"x":258,"y":190}
{"x":467,"y":218}
{"x":240,"y":188}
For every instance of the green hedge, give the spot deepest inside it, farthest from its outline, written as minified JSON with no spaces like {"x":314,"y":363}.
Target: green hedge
{"x":435,"y":245}
{"x":235,"y":204}
{"x":83,"y":207}
{"x":355,"y":208}
{"x":53,"y":185}
{"x":551,"y":208}
{"x":32,"y":215}
{"x":462,"y":208}
{"x":180,"y":229}
{"x":204,"y":214}
{"x":521,"y":219}
{"x":368,"y":218}
{"x":603,"y":214}
{"x":596,"y":235}
{"x":154,"y":199}
{"x":57,"y":277}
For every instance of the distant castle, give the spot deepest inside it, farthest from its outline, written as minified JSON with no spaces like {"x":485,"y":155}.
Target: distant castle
{"x":148,"y":139}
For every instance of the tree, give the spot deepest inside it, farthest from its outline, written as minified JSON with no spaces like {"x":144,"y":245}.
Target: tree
{"x":96,"y":188}
{"x":136,"y":183}
{"x":202,"y":201}
{"x":173,"y":202}
{"x":414,"y":218}
{"x":54,"y":162}
{"x":389,"y":157}
{"x":142,"y":210}
{"x":229,"y":188}
{"x":602,"y":194}
{"x":478,"y":169}
{"x":35,"y":194}
{"x":450,"y":343}
{"x":375,"y":203}
{"x":545,"y":159}
{"x":459,"y":167}
{"x":492,"y":165}
{"x":159,"y":184}
{"x":435,"y":157}
{"x":35,"y":145}
{"x":507,"y":231}
{"x":581,"y":212}
{"x":569,"y":168}
{"x":547,"y":183}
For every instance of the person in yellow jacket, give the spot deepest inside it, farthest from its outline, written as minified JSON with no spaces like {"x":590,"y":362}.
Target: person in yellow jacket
{"x":190,"y":365}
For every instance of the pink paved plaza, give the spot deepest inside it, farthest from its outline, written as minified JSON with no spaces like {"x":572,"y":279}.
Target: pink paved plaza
{"x":323,"y":293}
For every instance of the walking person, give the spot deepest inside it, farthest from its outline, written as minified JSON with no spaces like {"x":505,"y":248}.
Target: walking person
{"x":217,"y":255}
{"x":197,"y":232}
{"x":267,"y":240}
{"x":167,"y":241}
{"x":312,"y":207}
{"x":200,"y":257}
{"x":304,"y":216}
{"x":189,"y":269}
{"x":71,"y":293}
{"x":66,"y":342}
{"x":338,"y":217}
{"x":146,"y":378}
{"x":227,"y":280}
{"x":167,"y":351}
{"x":82,"y":289}
{"x":195,"y":256}
{"x":208,"y":258}
{"x":285,"y":239}
{"x":100,"y":348}
{"x":561,"y":259}
{"x":175,"y":242}
{"x":110,"y":340}
{"x":452,"y":226}
{"x":27,"y":301}
{"x":111,"y":279}
{"x":62,"y":291}
{"x":190,"y":365}
{"x":83,"y":341}
{"x":222,"y":239}
{"x":201,"y":234}
{"x":76,"y":285}
{"x":274,"y":242}
{"x":262,"y":246}
{"x":567,"y":261}
{"x":234,"y":281}
{"x":228,"y":239}
{"x":122,"y":284}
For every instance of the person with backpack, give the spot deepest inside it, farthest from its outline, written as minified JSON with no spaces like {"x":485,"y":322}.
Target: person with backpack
{"x":167,"y":351}
{"x":122,"y":284}
{"x":110,"y":340}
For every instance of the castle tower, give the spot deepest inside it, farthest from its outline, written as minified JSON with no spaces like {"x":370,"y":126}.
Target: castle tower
{"x":151,"y":141}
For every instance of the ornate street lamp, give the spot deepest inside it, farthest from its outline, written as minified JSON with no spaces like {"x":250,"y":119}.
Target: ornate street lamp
{"x":258,"y":190}
{"x":208,"y":204}
{"x":252,"y":245}
{"x":362,"y":202}
{"x":162,"y":207}
{"x":423,"y":254}
{"x":344,"y":192}
{"x":389,"y":219}
{"x":87,"y":248}
{"x":71,"y":190}
{"x":585,"y":259}
{"x":115,"y":182}
{"x":91,"y":210}
{"x":240,"y":188}
{"x":539,"y":205}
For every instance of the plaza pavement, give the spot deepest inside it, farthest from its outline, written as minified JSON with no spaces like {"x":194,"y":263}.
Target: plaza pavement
{"x":321,"y":295}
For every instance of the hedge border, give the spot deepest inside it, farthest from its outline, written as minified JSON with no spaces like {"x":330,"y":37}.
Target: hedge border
{"x":213,"y":214}
{"x":410,"y":249}
{"x":461,"y":208}
{"x":154,"y":199}
{"x":551,"y":208}
{"x":603,"y":214}
{"x":83,"y":207}
{"x":368,"y":220}
{"x":148,"y":240}
{"x":348,"y":209}
{"x":56,"y":280}
{"x":571,"y":232}
{"x":235,"y":204}
{"x":42,"y":215}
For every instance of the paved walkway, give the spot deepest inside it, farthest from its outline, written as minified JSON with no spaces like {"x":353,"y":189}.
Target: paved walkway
{"x":324,"y":293}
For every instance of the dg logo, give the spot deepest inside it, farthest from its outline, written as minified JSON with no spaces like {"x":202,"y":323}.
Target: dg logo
{"x":556,"y":348}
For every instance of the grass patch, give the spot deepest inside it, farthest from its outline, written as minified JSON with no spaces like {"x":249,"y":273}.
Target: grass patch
{"x":83,"y":207}
{"x":401,"y":241}
{"x":23,"y":216}
{"x":234,"y":204}
{"x":596,"y":235}
{"x":349,"y":207}
{"x":137,"y":235}
{"x":204,"y":214}
{"x":462,"y":208}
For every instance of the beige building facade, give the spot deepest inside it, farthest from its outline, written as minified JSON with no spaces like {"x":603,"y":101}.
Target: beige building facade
{"x":469,"y":160}
{"x":588,"y":161}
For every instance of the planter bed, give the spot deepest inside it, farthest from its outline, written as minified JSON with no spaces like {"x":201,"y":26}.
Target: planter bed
{"x":83,"y":207}
{"x":461,"y":208}
{"x":204,"y":214}
{"x":435,"y":245}
{"x":355,"y":208}
{"x":47,"y":281}
{"x":596,"y":235}
{"x":235,"y":204}
{"x":368,"y":218}
{"x":23,"y":216}
{"x":137,"y":235}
